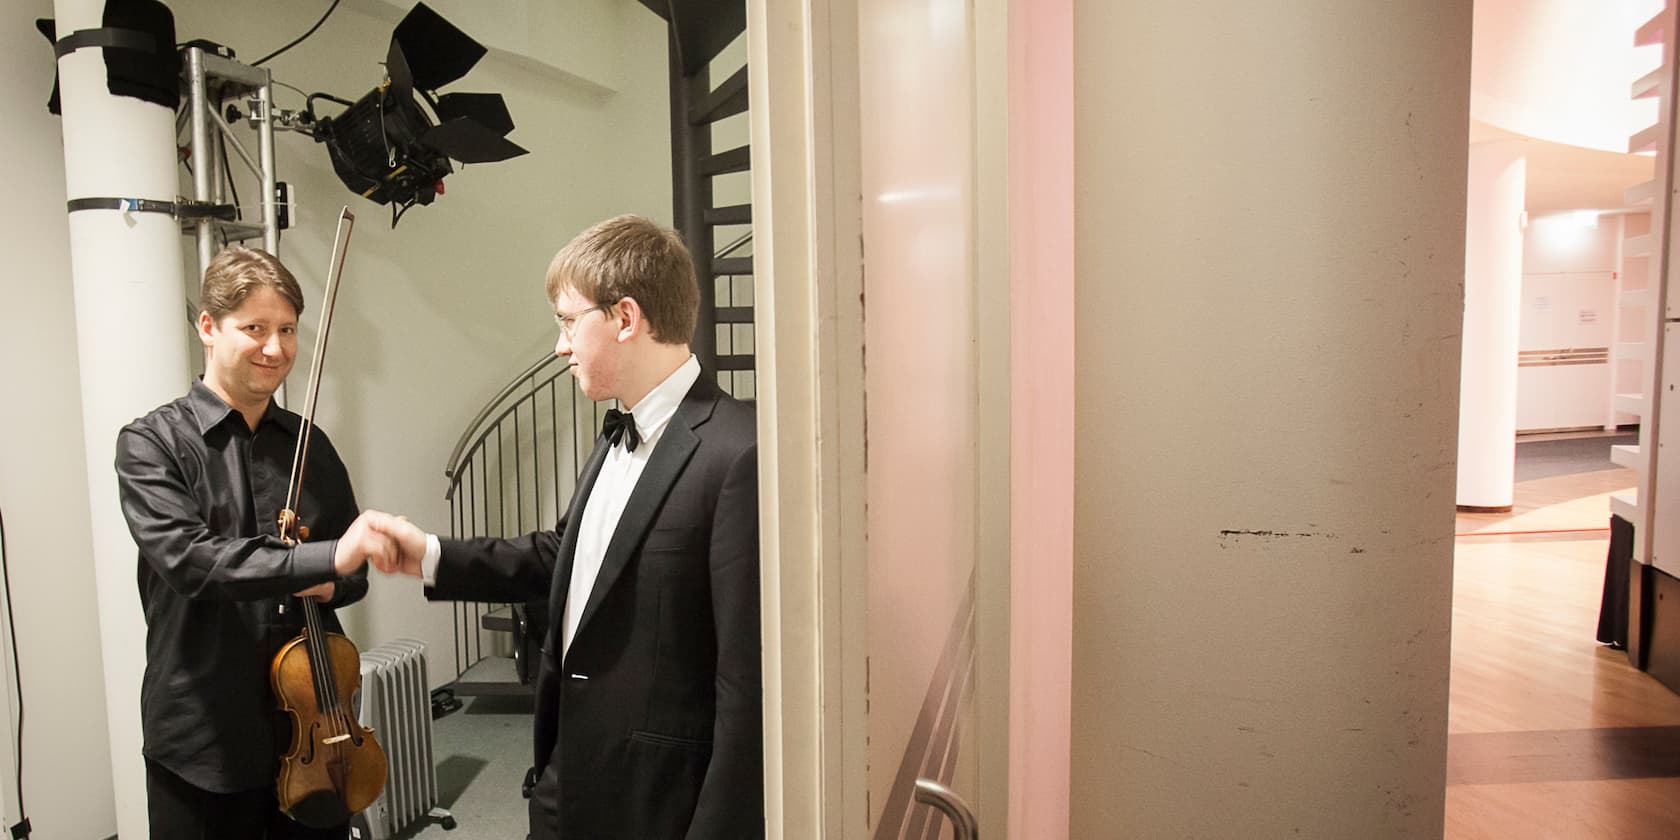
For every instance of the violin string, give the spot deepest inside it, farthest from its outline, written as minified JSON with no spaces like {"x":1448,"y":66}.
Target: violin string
{"x":337,"y":710}
{"x":317,"y":662}
{"x":328,"y":688}
{"x":324,"y":657}
{"x":312,"y":641}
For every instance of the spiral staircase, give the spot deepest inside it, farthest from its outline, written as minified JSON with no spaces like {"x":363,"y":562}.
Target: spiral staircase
{"x":515,"y":466}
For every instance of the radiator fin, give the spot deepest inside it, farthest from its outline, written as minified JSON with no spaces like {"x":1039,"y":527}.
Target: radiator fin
{"x":396,"y":703}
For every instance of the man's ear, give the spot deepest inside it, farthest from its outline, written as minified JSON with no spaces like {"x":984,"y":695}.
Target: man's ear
{"x":206,"y":328}
{"x":631,"y":320}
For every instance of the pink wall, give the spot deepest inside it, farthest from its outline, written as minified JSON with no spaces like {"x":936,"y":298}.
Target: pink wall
{"x":1042,"y":433}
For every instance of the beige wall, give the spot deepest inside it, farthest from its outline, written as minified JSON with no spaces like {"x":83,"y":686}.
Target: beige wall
{"x":432,"y":319}
{"x":43,"y":489}
{"x":1269,"y":249}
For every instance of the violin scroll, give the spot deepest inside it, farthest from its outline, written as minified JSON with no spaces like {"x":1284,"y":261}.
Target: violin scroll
{"x":291,"y":530}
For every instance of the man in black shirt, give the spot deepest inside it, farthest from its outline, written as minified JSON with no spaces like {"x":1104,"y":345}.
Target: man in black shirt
{"x":201,"y":480}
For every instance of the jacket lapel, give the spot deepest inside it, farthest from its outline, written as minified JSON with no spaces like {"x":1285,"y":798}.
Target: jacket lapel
{"x":669,"y":457}
{"x":569,"y":539}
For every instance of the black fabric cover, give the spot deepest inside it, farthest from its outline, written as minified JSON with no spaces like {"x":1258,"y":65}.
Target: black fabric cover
{"x":45,"y":27}
{"x":152,"y":76}
{"x":155,"y":76}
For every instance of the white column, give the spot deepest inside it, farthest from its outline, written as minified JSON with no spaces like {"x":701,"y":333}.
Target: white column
{"x":1269,"y":235}
{"x":1487,"y":418}
{"x":127,"y":274}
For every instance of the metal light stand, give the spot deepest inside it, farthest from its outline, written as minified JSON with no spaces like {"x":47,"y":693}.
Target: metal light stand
{"x":211,"y":81}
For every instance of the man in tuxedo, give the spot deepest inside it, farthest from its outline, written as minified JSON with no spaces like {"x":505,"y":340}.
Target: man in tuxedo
{"x":648,"y":709}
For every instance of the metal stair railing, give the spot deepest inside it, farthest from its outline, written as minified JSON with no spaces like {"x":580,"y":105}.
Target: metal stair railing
{"x":513,"y":471}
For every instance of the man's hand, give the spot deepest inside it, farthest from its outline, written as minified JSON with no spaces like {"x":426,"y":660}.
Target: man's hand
{"x":362,"y":543}
{"x":322,"y":592}
{"x":408,"y":543}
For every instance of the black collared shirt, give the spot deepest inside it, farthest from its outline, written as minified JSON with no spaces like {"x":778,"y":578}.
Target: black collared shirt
{"x":200,"y":492}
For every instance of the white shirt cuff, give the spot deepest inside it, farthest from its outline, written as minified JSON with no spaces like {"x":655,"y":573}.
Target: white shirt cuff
{"x":429,"y":563}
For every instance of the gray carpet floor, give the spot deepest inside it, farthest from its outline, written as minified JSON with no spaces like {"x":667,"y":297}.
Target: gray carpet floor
{"x":482,"y":751}
{"x":1547,"y":458}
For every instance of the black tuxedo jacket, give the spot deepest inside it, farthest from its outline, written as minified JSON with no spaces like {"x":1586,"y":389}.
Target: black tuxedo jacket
{"x":651,"y":727}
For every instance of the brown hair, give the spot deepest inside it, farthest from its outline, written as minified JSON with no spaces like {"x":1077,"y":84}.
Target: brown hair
{"x":630,"y":256}
{"x":236,"y":272}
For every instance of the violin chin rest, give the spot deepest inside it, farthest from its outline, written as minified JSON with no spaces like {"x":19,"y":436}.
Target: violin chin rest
{"x":322,"y":809}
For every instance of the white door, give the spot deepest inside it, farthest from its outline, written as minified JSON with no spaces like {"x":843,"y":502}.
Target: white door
{"x":884,"y":413}
{"x":921,"y":390}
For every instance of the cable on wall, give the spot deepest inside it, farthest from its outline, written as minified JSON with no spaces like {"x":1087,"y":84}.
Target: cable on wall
{"x":300,"y":38}
{"x":20,"y":829}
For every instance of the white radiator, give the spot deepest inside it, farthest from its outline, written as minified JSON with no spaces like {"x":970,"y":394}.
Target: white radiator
{"x":396,"y":704}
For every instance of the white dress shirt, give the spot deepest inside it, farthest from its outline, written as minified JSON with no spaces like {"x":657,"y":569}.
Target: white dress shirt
{"x":601,"y":511}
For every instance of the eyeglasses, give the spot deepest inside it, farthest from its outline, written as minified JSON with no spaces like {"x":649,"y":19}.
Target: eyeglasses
{"x":568,"y":320}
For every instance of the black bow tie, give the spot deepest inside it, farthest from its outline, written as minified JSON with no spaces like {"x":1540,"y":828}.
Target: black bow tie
{"x":620,"y":426}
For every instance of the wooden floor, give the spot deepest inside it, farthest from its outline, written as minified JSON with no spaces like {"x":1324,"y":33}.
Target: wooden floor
{"x":1551,"y":735}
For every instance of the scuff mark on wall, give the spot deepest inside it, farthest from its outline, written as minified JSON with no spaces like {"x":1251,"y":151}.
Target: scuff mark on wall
{"x":1231,"y":536}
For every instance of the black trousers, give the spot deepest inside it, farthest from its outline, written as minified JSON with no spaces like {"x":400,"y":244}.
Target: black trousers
{"x":180,"y":810}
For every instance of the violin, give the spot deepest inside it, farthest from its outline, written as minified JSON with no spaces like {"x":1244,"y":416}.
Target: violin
{"x":334,"y":767}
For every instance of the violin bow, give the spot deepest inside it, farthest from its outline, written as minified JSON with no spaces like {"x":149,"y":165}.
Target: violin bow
{"x":335,"y":270}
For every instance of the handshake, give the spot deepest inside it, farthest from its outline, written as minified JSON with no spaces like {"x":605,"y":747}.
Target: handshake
{"x":392,"y":544}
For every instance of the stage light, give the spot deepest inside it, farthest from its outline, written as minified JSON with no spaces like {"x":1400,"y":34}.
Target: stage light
{"x":392,"y":146}
{"x":385,"y":146}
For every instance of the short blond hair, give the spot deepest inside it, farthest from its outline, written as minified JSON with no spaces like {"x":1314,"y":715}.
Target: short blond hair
{"x":630,"y":256}
{"x":236,"y":272}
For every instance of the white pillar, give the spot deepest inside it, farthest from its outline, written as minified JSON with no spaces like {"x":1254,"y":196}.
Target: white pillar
{"x":127,"y":274}
{"x":1487,"y":418}
{"x":1269,"y":235}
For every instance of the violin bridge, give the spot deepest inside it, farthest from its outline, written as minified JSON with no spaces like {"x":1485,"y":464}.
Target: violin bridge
{"x":335,"y":739}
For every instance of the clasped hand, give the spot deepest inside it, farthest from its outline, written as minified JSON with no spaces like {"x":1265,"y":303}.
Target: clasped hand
{"x":360,"y":543}
{"x":406,"y":540}
{"x":391,"y":543}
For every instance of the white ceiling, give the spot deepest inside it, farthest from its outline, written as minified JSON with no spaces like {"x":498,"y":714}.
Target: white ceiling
{"x":1563,"y":177}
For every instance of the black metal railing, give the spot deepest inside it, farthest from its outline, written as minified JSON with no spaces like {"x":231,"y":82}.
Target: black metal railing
{"x":513,"y":471}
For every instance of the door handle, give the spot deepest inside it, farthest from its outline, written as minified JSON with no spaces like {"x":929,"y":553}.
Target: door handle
{"x":930,"y":792}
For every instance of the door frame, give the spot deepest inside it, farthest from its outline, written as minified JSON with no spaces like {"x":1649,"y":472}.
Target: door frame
{"x":808,"y":277}
{"x":808,"y":280}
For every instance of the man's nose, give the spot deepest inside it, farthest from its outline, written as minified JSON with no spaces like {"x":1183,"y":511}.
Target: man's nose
{"x":563,"y":345}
